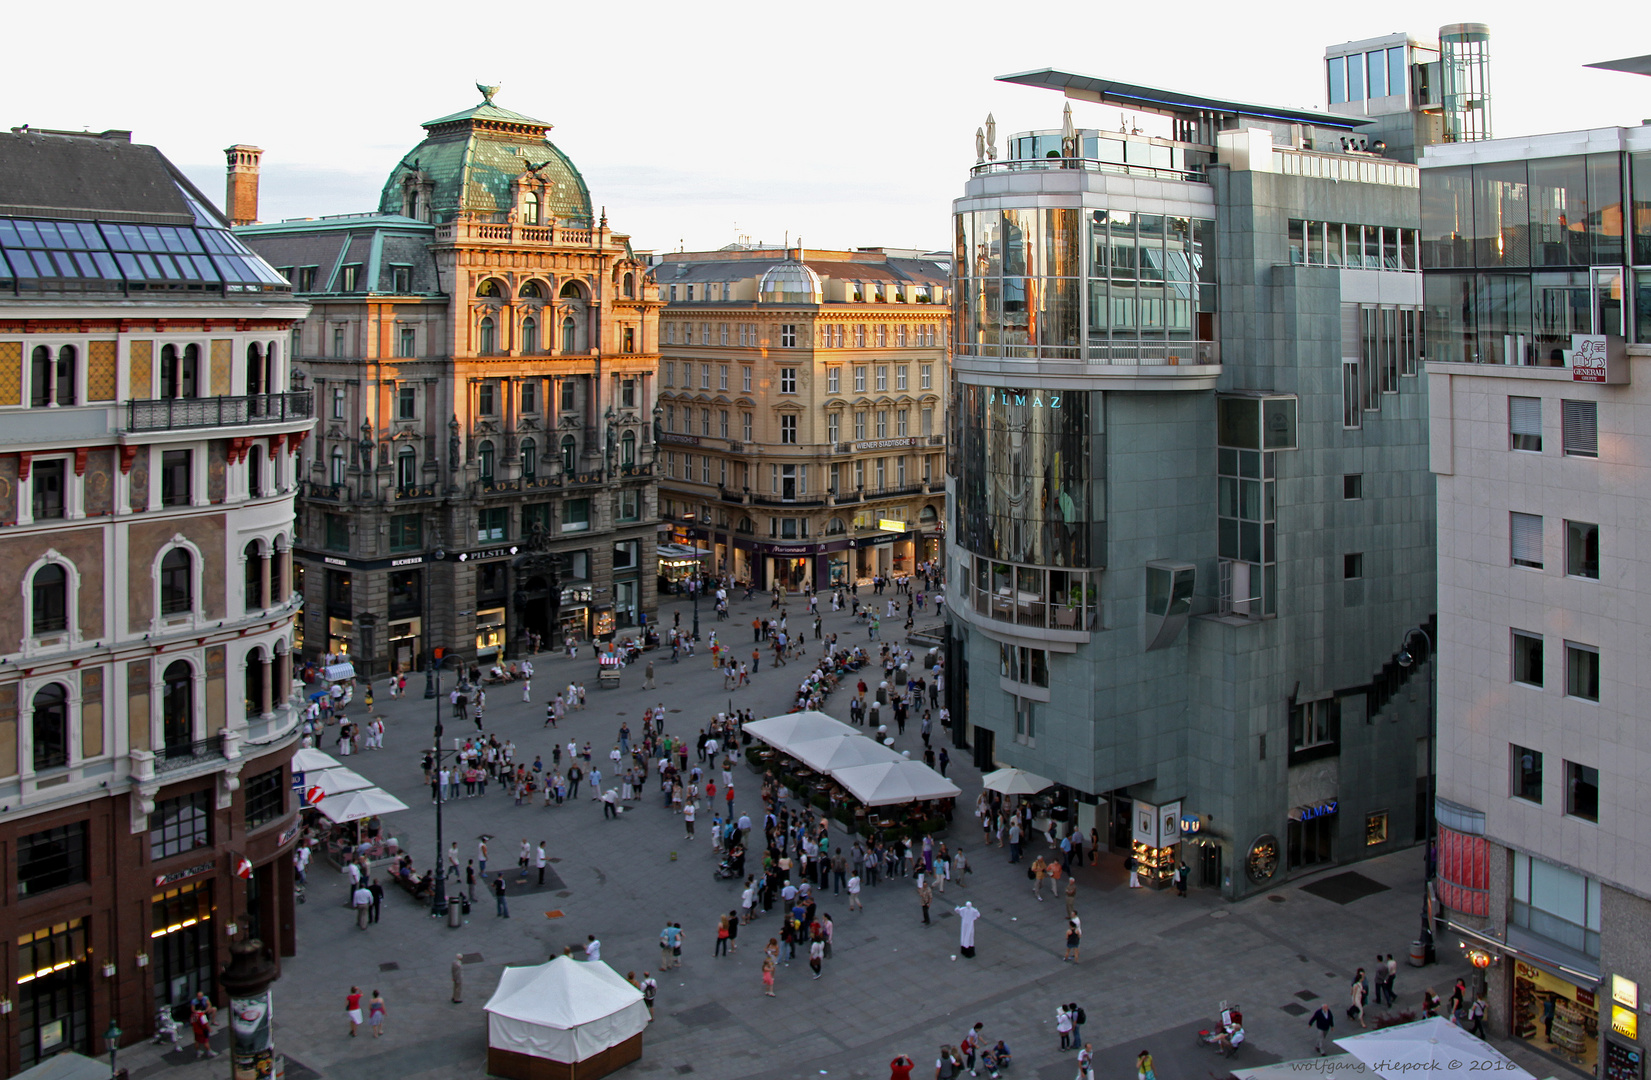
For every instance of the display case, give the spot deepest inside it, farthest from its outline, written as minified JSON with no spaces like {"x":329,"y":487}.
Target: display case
{"x":1155,"y":866}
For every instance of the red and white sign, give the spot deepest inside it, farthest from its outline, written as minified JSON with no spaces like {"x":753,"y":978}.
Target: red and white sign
{"x":314,"y":795}
{"x":1588,"y":358}
{"x":243,"y":867}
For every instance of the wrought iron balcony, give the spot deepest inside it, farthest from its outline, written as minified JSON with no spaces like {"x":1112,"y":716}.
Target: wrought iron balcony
{"x":184,"y":755}
{"x":172,"y":414}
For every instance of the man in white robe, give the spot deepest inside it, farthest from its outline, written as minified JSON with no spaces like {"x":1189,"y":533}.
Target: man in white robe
{"x":966,"y":916}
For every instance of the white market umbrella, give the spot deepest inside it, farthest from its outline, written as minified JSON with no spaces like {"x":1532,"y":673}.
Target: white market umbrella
{"x":355,"y":805}
{"x":308,"y":758}
{"x":895,"y":782}
{"x":335,"y":781}
{"x":1014,"y":782}
{"x":1429,"y":1047}
{"x":788,"y":729}
{"x":840,"y":752}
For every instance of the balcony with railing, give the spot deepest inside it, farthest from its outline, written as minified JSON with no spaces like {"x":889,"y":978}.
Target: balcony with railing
{"x":1031,"y":596}
{"x":468,"y":231}
{"x":174,"y":414}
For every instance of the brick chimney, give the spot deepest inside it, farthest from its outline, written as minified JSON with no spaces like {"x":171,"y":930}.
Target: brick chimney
{"x":241,"y":187}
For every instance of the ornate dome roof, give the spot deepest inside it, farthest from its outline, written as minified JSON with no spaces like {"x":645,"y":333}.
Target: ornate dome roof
{"x":472,"y":158}
{"x":790,"y":282}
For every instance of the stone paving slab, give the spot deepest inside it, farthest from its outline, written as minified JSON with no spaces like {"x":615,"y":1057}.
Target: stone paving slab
{"x":1153,"y":967}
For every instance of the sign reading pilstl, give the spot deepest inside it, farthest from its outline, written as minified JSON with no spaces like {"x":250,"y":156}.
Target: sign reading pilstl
{"x":1588,"y":358}
{"x":891,"y":525}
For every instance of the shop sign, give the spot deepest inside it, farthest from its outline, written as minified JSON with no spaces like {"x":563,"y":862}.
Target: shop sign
{"x":1625,"y":992}
{"x":681,"y":440}
{"x":183,"y":875}
{"x":884,"y":444}
{"x":872,"y":541}
{"x":1316,"y":810}
{"x":1169,"y":824}
{"x":413,"y":561}
{"x":1622,"y":1062}
{"x":488,"y":553}
{"x":1588,"y":358}
{"x":786,"y":549}
{"x":1146,"y":824}
{"x":287,"y":834}
{"x":330,"y":561}
{"x":891,"y":524}
{"x":1625,"y":1022}
{"x":1037,"y":399}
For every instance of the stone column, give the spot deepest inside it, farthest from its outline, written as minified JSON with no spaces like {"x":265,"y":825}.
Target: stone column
{"x":265,"y":585}
{"x":266,"y":704}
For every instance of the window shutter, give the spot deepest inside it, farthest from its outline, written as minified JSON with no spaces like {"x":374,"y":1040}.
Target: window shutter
{"x":1525,"y":415}
{"x":1581,"y":424}
{"x":1525,"y":539}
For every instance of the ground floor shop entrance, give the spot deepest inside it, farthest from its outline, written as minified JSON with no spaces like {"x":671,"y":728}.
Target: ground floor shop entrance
{"x":1556,"y":1016}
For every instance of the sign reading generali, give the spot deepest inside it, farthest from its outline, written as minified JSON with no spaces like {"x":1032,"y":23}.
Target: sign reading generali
{"x":1588,"y":358}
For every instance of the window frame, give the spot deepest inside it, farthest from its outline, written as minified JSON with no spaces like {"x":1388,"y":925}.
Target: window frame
{"x":1577,"y":564}
{"x":169,"y":839}
{"x":265,"y":798}
{"x":1579,"y":428}
{"x":1575,"y":690}
{"x":1577,"y":778}
{"x":788,"y":380}
{"x":1522,"y":664}
{"x":75,"y":840}
{"x":1524,"y":774}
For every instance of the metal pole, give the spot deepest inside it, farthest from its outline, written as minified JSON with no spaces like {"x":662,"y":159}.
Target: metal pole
{"x":693,"y":590}
{"x":438,"y":899}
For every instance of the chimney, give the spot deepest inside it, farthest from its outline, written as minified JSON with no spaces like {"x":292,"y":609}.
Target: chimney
{"x":241,"y":186}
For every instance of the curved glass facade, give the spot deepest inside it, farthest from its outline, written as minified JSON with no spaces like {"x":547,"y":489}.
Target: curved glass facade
{"x":1030,"y":475}
{"x":1070,"y":284}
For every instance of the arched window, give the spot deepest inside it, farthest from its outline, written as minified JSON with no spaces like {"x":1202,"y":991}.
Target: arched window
{"x":51,"y":727}
{"x":51,"y":599}
{"x":573,"y":291}
{"x":627,"y":448}
{"x":406,"y":467}
{"x":928,"y":515}
{"x":177,"y":582}
{"x":178,"y":708}
{"x":255,"y":682}
{"x":40,"y":376}
{"x":253,"y":576}
{"x":337,"y":474}
{"x":487,"y":337}
{"x":745,"y":525}
{"x":530,"y":458}
{"x":484,"y":458}
{"x":570,"y":453}
{"x":530,"y":209}
{"x":570,"y":335}
{"x":532,"y":290}
{"x":67,"y":376}
{"x":179,"y":372}
{"x":630,"y":286}
{"x":530,"y":335}
{"x":835,"y":526}
{"x":255,"y":472}
{"x":255,"y":369}
{"x":488,"y":288}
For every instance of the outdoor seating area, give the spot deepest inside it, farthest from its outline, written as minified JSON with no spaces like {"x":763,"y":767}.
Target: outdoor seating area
{"x":864,"y":784}
{"x":342,"y":810}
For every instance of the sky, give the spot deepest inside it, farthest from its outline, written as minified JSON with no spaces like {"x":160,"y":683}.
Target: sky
{"x":695,"y":125}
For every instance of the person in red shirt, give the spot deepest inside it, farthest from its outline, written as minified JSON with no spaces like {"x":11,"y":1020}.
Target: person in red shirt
{"x":201,"y":1023}
{"x":352,"y":1006}
{"x":900,"y":1068}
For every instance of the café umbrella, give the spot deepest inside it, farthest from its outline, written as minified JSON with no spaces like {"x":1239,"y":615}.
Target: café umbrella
{"x":1430,"y":1047}
{"x":1014,"y":782}
{"x":355,"y":805}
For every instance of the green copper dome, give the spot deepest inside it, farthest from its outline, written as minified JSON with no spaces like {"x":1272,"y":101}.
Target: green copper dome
{"x":469,"y":160}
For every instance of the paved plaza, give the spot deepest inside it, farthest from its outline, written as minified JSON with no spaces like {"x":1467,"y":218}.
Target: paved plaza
{"x":1152,"y":972}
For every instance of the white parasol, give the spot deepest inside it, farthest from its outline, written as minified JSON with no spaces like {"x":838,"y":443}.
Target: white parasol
{"x":1014,"y":782}
{"x":1428,"y":1047}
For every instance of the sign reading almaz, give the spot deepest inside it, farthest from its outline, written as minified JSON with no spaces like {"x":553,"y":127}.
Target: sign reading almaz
{"x":1588,"y":358}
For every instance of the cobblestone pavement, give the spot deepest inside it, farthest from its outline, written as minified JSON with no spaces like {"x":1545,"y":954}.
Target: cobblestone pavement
{"x":1153,"y":966}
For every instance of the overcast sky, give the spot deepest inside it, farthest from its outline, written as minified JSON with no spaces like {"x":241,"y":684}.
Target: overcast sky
{"x":846,"y":124}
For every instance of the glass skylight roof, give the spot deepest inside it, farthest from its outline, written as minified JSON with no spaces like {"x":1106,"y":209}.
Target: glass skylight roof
{"x":83,"y":255}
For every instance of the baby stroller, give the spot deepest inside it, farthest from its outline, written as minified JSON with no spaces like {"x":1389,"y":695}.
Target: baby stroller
{"x":725,"y":870}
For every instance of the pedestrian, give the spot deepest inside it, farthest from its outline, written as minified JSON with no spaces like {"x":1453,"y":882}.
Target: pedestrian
{"x":481,"y":852}
{"x":375,"y":1014}
{"x":1086,"y":1063}
{"x":1074,"y":935}
{"x":1322,"y":1020}
{"x":722,"y":937}
{"x":667,"y":947}
{"x":966,"y":916}
{"x":200,"y":1022}
{"x":947,"y":1065}
{"x":352,"y":1008}
{"x":1476,"y":1016}
{"x":902,"y":1065}
{"x":1181,"y":880}
{"x":1071,"y":897}
{"x":854,"y":902}
{"x":1392,"y":977}
{"x":734,"y":933}
{"x":1063,"y":1026}
{"x":1014,"y":841}
{"x":362,"y":899}
{"x":649,"y":989}
{"x":973,"y":1042}
{"x":1078,"y":1021}
{"x":377,"y":892}
{"x":648,"y":676}
{"x":1134,"y":869}
{"x":593,"y":947}
{"x":539,"y":861}
{"x":1037,"y":874}
{"x":768,"y":974}
{"x":925,"y":896}
{"x":501,"y":909}
{"x":816,"y":954}
{"x":1355,"y":993}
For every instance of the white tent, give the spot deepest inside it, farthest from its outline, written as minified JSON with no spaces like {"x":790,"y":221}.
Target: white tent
{"x":1428,"y":1046}
{"x":895,"y":782}
{"x":355,"y":805}
{"x":841,"y":752}
{"x":336,"y":781}
{"x":564,"y":1011}
{"x":1014,"y":782}
{"x":340,"y":672}
{"x":308,"y":758}
{"x":789,"y":729}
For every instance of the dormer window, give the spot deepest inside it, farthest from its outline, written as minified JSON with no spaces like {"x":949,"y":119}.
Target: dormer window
{"x":530,"y":209}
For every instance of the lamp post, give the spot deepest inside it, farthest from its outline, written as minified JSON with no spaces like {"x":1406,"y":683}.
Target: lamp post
{"x":694,"y":585}
{"x":1406,"y":658}
{"x":112,"y":1039}
{"x":430,"y":651}
{"x":438,"y":899}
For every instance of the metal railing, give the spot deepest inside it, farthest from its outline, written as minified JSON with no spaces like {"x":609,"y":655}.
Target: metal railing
{"x":1115,"y":354}
{"x":1347,"y":167}
{"x":184,"y":755}
{"x":513,"y":233}
{"x":170,"y":414}
{"x":1085,"y":165}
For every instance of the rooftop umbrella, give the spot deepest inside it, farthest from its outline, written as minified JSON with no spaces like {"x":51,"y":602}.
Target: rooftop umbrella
{"x":1014,"y":782}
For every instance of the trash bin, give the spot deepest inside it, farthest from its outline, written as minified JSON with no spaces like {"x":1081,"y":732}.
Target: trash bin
{"x":464,"y":906}
{"x":455,"y":917}
{"x":1418,"y":954}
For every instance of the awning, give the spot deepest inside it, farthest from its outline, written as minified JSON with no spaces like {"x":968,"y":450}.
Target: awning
{"x":1428,"y":1047}
{"x":340,"y":672}
{"x":355,"y":805}
{"x":308,"y":758}
{"x":791,"y":728}
{"x":841,"y":752}
{"x":335,"y":781}
{"x":675,"y":554}
{"x":895,"y":782}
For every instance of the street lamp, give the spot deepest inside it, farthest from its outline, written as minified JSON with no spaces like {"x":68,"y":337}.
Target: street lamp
{"x":1407,"y":658}
{"x":112,"y":1038}
{"x":695,"y":583}
{"x":430,"y":650}
{"x":438,"y":899}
